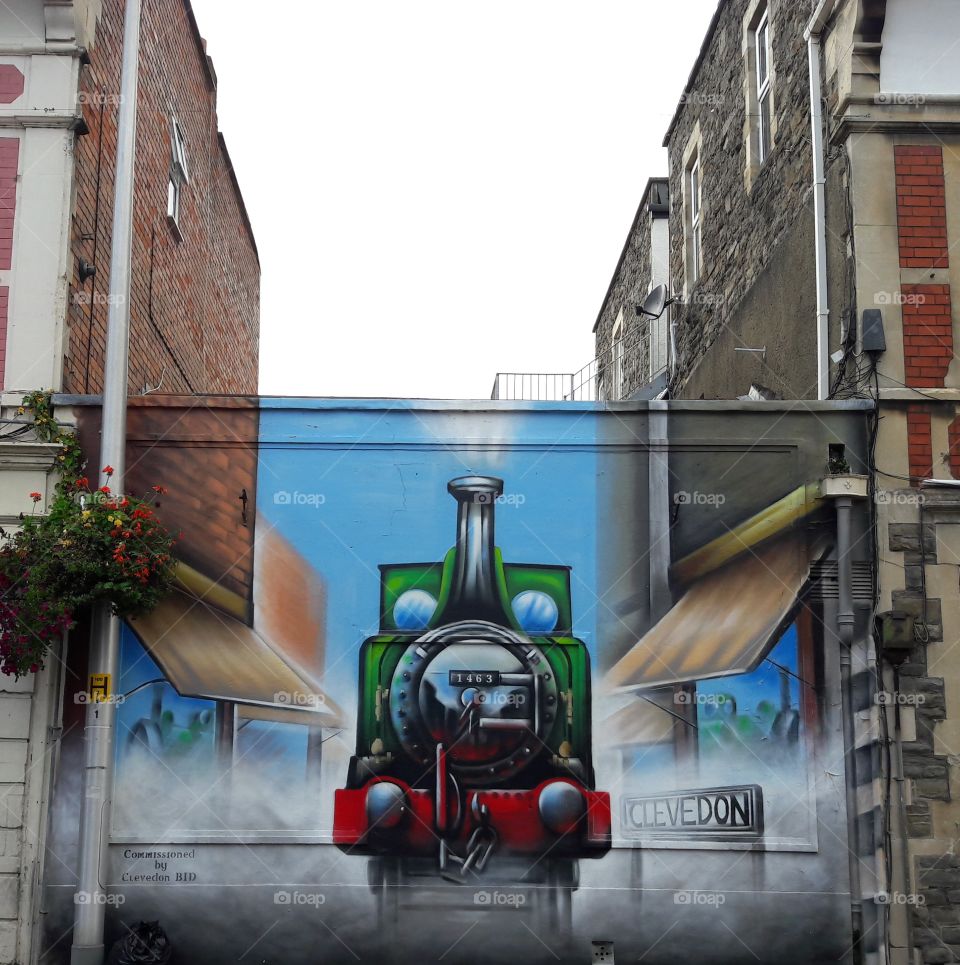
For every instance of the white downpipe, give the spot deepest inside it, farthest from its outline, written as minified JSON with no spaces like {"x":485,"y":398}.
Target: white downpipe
{"x":820,"y":216}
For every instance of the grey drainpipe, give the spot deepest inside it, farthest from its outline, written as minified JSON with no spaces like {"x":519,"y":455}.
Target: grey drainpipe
{"x":845,"y":623}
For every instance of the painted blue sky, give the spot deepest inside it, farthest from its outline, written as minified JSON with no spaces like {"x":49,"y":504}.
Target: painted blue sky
{"x":373,"y":489}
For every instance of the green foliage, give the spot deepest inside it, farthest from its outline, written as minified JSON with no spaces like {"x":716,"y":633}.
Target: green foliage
{"x":93,"y":545}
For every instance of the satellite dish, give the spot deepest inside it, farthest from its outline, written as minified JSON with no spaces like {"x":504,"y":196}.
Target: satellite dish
{"x":655,"y":303}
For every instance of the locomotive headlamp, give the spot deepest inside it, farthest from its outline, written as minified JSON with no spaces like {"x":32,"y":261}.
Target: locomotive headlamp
{"x":561,"y":806}
{"x":386,"y":805}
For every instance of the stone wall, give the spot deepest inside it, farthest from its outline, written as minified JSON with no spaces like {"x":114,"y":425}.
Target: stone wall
{"x":756,"y":285}
{"x":642,"y":265}
{"x":627,"y":289}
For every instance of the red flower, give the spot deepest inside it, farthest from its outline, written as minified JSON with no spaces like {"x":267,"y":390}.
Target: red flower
{"x":160,"y":489}
{"x":105,"y":490}
{"x":36,"y":497}
{"x":83,"y":482}
{"x":107,"y":470}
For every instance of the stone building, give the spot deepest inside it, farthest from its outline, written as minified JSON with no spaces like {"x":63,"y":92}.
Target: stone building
{"x":778,"y":295}
{"x":195,"y":305}
{"x":632,"y":349}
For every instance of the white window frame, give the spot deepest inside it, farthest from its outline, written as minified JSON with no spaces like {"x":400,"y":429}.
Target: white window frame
{"x":763,"y":72}
{"x":617,"y":354}
{"x":179,"y":173}
{"x":695,"y":189}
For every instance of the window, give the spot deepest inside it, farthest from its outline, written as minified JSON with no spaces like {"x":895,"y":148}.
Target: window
{"x":696,"y":235}
{"x":616,"y":369}
{"x":764,"y":100}
{"x":178,"y":173}
{"x":759,"y":82}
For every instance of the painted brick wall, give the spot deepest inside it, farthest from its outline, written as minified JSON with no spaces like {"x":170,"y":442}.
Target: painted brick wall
{"x":920,"y":445}
{"x":927,"y":334}
{"x":9,"y":160}
{"x":195,"y":299}
{"x":921,"y":207}
{"x":927,"y":309}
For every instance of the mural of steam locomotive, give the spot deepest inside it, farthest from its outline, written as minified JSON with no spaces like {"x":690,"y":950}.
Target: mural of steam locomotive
{"x":474,"y":724}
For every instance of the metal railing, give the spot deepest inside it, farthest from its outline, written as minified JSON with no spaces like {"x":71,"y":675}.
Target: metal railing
{"x":630,"y":363}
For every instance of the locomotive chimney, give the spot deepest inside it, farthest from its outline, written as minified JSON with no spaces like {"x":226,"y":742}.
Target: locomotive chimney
{"x":474,"y":593}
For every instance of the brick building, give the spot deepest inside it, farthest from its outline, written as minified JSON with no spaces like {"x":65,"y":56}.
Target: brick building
{"x":196,"y":273}
{"x":776,"y":295}
{"x":195,"y":300}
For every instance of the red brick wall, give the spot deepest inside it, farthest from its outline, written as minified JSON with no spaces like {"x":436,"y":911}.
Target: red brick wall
{"x":927,"y":309}
{"x":195,"y":322}
{"x":927,"y":334}
{"x":920,"y":445}
{"x":921,"y":207}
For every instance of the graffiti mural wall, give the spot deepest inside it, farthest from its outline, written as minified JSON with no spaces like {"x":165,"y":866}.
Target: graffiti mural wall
{"x":478,"y":682}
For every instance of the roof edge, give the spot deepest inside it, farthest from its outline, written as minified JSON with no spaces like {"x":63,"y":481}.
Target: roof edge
{"x":239,"y":194}
{"x":697,"y":64}
{"x":626,"y":245}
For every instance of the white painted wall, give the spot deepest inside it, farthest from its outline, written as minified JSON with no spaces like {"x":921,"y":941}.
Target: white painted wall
{"x":921,"y":54}
{"x":659,"y":252}
{"x":41,"y":39}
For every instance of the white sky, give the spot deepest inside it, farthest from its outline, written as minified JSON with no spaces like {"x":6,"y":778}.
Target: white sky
{"x":440,"y":190}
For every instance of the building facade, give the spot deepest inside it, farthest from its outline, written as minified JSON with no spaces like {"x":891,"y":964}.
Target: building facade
{"x":811,"y":256}
{"x":195,"y":302}
{"x":632,"y":349}
{"x":196,"y":273}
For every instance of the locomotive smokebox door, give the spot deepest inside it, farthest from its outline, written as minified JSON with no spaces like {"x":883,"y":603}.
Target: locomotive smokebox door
{"x":474,"y":708}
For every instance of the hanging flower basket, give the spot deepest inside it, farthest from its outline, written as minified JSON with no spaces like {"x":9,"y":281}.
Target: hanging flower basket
{"x":92,"y":545}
